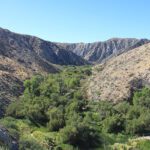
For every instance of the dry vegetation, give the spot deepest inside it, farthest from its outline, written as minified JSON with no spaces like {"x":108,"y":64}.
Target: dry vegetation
{"x":117,"y":78}
{"x":12,"y":74}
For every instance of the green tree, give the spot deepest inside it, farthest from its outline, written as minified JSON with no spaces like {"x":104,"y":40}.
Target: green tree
{"x":113,"y":124}
{"x":56,"y":119}
{"x":81,"y":136}
{"x":142,"y":98}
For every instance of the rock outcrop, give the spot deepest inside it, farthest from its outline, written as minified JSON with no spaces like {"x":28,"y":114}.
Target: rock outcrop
{"x":7,"y":140}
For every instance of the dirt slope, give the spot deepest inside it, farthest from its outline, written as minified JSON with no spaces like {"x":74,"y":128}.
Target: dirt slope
{"x":116,"y":79}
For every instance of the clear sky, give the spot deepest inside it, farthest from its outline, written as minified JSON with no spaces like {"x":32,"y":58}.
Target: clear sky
{"x":77,"y":20}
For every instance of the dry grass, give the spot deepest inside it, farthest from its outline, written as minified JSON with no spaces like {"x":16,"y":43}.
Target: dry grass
{"x":120,"y":75}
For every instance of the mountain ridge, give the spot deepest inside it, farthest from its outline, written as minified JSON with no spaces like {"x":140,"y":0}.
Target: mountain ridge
{"x":22,"y":56}
{"x":93,"y":52}
{"x":39,"y":46}
{"x":97,"y":52}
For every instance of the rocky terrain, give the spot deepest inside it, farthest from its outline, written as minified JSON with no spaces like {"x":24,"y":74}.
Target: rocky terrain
{"x":21,"y":56}
{"x":113,"y":79}
{"x":7,"y":139}
{"x":30,"y":50}
{"x":117,"y":78}
{"x":100,"y":51}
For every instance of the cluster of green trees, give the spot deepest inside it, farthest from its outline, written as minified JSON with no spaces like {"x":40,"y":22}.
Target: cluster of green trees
{"x":56,"y":104}
{"x":128,"y":117}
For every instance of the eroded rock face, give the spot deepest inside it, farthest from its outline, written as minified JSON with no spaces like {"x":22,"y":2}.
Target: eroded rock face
{"x":116,"y":79}
{"x":29,"y":49}
{"x":100,"y":51}
{"x":7,"y":139}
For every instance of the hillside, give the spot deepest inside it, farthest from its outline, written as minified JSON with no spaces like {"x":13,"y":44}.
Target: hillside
{"x":22,"y":56}
{"x":53,"y":113}
{"x":100,"y":51}
{"x":116,"y":79}
{"x":29,"y":50}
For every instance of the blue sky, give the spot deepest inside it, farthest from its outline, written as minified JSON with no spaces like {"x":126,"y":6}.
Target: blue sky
{"x":77,"y":20}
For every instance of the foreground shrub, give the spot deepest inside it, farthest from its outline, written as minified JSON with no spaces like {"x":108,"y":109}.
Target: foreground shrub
{"x":56,"y":119}
{"x":29,"y":144}
{"x":113,"y":124}
{"x":80,"y":136}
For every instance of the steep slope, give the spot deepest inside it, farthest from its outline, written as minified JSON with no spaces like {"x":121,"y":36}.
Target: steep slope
{"x":99,"y":51}
{"x":21,"y":56}
{"x":11,"y":76}
{"x":116,"y":79}
{"x":29,"y":49}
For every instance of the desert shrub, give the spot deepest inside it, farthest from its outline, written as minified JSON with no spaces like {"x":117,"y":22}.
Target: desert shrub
{"x":56,"y":119}
{"x":49,"y":85}
{"x":87,"y":71}
{"x":32,"y":85}
{"x":16,"y":109}
{"x":3,"y":148}
{"x":66,"y":147}
{"x":9,"y":122}
{"x":56,"y":104}
{"x":113,"y":124}
{"x":140,"y":124}
{"x":142,"y":98}
{"x":133,"y":113}
{"x":81,"y":136}
{"x":143,"y":145}
{"x":134,"y":126}
{"x":29,"y":144}
{"x":105,"y":109}
{"x":122,"y":108}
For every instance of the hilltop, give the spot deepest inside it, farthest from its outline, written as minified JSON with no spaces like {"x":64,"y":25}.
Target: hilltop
{"x":98,"y":52}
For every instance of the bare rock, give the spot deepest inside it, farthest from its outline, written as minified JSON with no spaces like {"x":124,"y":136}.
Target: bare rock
{"x":100,"y":51}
